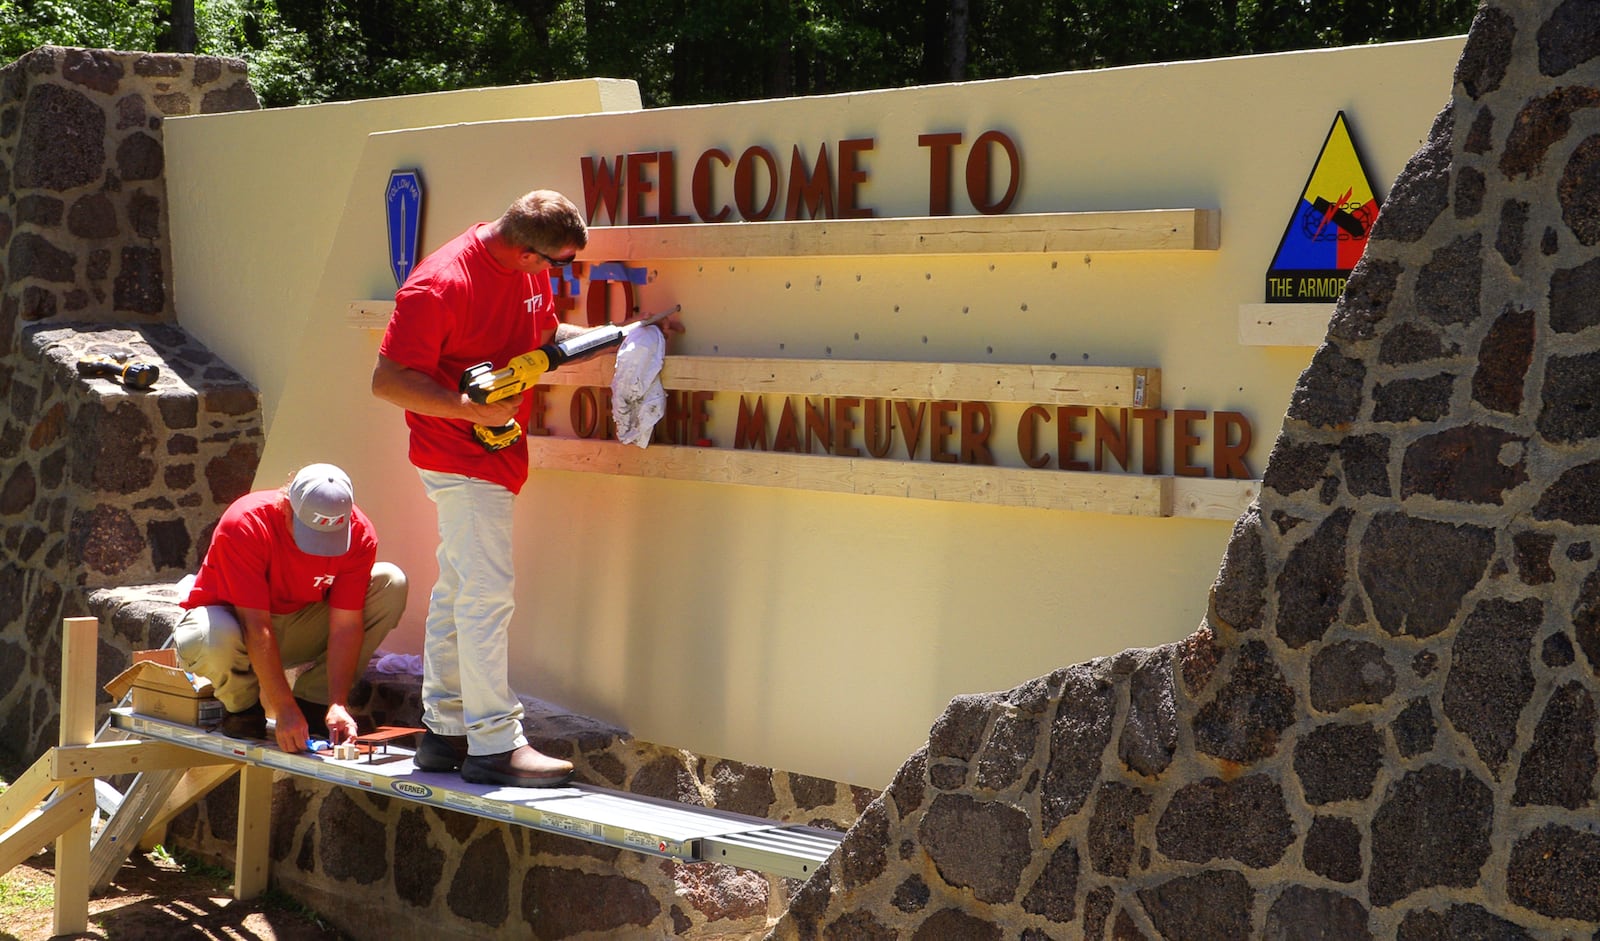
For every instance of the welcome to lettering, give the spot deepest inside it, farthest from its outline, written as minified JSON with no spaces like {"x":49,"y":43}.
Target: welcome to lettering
{"x":642,"y":188}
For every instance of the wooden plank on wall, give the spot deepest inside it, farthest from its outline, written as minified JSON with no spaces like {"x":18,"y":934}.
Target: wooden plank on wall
{"x":1121,"y":494}
{"x":1207,"y":499}
{"x":1153,"y":230}
{"x":369,"y":315}
{"x":1098,"y":386}
{"x":1283,"y":324}
{"x":1141,"y":230}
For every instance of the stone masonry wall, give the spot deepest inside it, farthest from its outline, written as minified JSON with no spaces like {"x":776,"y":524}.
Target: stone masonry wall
{"x":1385,"y":727}
{"x":99,"y":486}
{"x":84,"y":225}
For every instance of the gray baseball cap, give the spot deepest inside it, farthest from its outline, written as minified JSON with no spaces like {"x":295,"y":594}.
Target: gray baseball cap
{"x":321,"y":498}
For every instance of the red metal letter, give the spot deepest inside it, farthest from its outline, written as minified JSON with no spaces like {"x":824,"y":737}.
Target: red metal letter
{"x":601,"y":186}
{"x":669,"y":189}
{"x":702,"y":186}
{"x":980,"y":174}
{"x":639,"y":186}
{"x":744,"y":184}
{"x":852,"y":176}
{"x":939,"y":158}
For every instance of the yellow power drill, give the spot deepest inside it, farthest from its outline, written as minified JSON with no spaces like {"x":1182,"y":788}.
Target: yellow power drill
{"x":484,"y":384}
{"x":135,"y":375}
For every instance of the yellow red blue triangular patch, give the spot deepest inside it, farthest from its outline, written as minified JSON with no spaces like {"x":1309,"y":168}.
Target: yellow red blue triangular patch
{"x":1328,"y":231}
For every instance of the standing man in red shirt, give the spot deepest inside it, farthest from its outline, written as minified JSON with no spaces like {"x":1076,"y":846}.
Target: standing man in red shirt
{"x":290,"y":577}
{"x":484,"y":296}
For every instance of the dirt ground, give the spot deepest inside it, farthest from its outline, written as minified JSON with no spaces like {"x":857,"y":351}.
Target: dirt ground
{"x":152,"y":898}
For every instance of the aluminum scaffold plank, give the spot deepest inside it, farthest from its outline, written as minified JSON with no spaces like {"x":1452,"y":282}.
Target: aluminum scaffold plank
{"x":627,"y":821}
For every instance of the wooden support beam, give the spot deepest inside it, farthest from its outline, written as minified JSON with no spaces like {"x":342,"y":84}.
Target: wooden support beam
{"x":251,"y":860}
{"x":1096,"y":386}
{"x":369,"y":315}
{"x":23,"y":795}
{"x":1202,"y":498}
{"x":1123,"y":494}
{"x":1153,"y":230}
{"x":80,"y":641}
{"x":109,"y":759}
{"x":70,"y":807}
{"x":1303,"y":325}
{"x":1118,"y":494}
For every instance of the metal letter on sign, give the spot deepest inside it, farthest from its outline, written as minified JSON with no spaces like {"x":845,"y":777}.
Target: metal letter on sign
{"x":403,"y":204}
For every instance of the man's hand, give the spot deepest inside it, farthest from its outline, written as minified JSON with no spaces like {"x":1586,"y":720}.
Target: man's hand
{"x":341,"y":727}
{"x":492,"y":414}
{"x":291,"y":728}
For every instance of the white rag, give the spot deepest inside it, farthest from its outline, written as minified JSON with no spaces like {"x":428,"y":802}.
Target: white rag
{"x":637,"y":399}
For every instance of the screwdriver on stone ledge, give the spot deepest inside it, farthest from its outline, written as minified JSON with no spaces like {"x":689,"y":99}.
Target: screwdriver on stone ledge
{"x":135,"y":375}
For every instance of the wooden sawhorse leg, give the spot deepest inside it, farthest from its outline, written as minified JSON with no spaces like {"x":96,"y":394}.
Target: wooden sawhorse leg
{"x":251,"y":856}
{"x":80,"y":640}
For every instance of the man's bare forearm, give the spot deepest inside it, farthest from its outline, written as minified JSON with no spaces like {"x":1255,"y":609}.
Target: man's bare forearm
{"x":261,"y":643}
{"x":417,"y":392}
{"x":345,"y":634}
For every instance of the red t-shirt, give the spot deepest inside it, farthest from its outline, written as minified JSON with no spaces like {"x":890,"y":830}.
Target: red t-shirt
{"x":253,"y":562}
{"x":460,"y":308}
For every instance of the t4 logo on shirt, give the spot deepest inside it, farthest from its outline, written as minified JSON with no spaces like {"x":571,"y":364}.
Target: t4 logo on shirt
{"x":534,"y":303}
{"x":322,"y":581}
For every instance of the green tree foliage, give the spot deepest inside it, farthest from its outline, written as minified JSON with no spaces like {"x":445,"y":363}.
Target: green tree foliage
{"x":693,"y":51}
{"x":101,"y":24}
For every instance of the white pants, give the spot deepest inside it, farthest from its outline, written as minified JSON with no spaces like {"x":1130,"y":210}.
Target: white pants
{"x":466,"y":687}
{"x":210,"y":642}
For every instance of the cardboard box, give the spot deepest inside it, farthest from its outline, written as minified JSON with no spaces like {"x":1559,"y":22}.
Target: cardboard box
{"x":163,"y":690}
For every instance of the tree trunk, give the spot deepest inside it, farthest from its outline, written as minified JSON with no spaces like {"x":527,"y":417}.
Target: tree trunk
{"x":183,"y":38}
{"x":955,"y":51}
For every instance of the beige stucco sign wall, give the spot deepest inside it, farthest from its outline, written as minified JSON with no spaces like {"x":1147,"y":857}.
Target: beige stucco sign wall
{"x":809,"y":611}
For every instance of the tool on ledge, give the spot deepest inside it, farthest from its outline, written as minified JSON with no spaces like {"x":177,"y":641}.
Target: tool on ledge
{"x":484,"y":384}
{"x":133,"y":375}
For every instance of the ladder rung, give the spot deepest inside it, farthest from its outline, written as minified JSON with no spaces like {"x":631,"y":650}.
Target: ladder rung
{"x":106,"y":797}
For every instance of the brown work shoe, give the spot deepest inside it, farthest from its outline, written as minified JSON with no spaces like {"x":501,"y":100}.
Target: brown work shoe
{"x":440,"y":752}
{"x":520,"y":767}
{"x":246,"y":723}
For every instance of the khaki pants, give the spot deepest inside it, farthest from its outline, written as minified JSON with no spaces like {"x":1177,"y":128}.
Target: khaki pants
{"x":466,"y":686}
{"x":210,"y":642}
